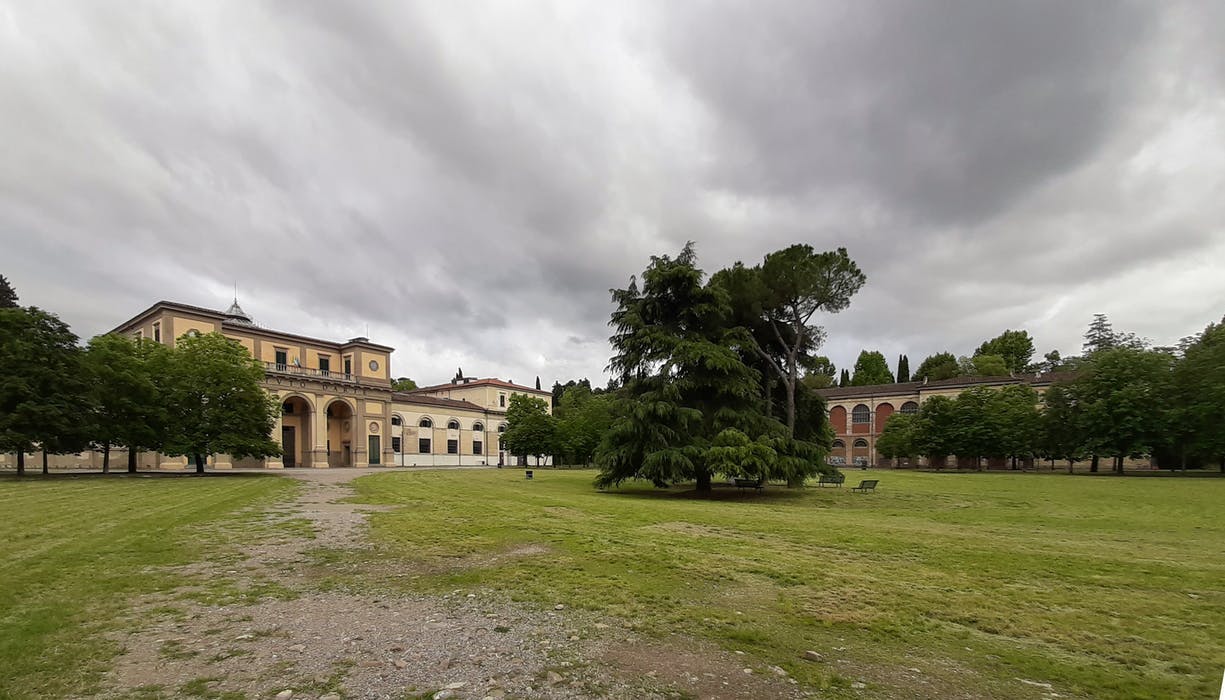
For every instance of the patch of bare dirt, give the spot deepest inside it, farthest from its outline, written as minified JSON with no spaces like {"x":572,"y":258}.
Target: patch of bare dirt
{"x":295,"y":641}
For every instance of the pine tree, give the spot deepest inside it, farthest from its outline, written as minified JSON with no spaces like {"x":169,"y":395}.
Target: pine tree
{"x":845,"y":378}
{"x":537,"y":382}
{"x":903,"y":369}
{"x":8,"y":296}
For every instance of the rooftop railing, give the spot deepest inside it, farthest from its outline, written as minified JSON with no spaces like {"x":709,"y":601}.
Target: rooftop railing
{"x":295,"y":370}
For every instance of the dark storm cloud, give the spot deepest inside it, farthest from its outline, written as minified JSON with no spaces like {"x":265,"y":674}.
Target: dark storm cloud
{"x":465,"y":182}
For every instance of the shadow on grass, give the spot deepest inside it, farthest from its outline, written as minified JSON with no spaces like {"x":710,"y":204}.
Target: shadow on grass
{"x":718,"y":492}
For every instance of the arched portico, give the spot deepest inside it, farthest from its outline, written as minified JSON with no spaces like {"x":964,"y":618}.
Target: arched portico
{"x":296,"y":439}
{"x":339,"y":433}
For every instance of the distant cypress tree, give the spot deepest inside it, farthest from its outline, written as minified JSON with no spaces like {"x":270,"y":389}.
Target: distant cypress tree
{"x":845,"y":379}
{"x":903,"y":369}
{"x":8,"y":296}
{"x":537,"y":382}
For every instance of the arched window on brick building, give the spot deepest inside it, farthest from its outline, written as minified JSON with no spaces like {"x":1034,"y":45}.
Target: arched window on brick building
{"x":910,"y":408}
{"x":861,"y":414}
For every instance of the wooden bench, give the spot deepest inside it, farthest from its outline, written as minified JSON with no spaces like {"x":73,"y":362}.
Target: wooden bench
{"x":831,"y":479}
{"x":758,"y":484}
{"x":866,"y":485}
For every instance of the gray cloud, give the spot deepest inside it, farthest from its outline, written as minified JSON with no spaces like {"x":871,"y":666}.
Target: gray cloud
{"x":469,"y":180}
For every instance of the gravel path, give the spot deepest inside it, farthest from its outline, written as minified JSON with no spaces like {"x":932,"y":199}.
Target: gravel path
{"x":286,"y":638}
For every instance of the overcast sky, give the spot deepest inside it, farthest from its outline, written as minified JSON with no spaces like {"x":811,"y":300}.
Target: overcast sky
{"x":469,"y":179}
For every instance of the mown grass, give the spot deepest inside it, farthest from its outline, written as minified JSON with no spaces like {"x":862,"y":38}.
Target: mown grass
{"x":936,"y":585}
{"x":77,"y":552}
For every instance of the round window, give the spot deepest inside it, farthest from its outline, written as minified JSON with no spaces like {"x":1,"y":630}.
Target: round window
{"x":374,"y":365}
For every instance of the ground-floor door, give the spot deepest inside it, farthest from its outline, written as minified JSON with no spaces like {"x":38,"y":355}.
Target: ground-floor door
{"x":374,"y":451}
{"x":289,"y":446}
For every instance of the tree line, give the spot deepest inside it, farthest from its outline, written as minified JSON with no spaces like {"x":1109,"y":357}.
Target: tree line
{"x":1121,"y":398}
{"x":201,"y":397}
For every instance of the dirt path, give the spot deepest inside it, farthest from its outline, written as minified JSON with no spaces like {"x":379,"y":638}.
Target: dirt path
{"x":275,"y":633}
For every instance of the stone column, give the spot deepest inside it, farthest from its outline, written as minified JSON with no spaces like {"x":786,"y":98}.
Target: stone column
{"x":276,"y":462}
{"x":319,"y":434}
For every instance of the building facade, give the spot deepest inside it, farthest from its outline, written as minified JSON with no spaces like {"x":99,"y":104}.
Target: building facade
{"x":858,"y":414}
{"x":338,"y":408}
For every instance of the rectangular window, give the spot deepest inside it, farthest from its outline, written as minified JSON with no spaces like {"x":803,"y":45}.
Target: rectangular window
{"x":282,"y":358}
{"x":423,"y":445}
{"x":348,"y":364}
{"x":502,"y":400}
{"x":452,"y":447}
{"x":325,"y":364}
{"x":478,"y":447}
{"x":157,"y":332}
{"x":395,"y":445}
{"x":374,"y":454}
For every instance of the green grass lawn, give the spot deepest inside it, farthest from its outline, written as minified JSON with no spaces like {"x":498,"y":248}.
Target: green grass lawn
{"x":938,"y":584}
{"x":76,"y":552}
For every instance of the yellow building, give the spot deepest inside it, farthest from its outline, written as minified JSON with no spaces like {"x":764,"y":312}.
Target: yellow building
{"x":337,"y":405}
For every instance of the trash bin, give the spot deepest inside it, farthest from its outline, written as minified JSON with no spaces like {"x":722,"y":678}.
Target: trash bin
{"x":528,"y":472}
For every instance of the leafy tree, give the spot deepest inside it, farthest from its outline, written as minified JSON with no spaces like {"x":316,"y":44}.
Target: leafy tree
{"x":41,"y":389}
{"x":1015,"y":407}
{"x":215,"y":402}
{"x":530,"y":430}
{"x":989,"y":366}
{"x":978,"y":429}
{"x":1198,"y":397}
{"x":8,"y":296}
{"x":871,"y":368}
{"x":1122,"y":390}
{"x":903,"y":369}
{"x":127,"y":394}
{"x":582,"y":419}
{"x":845,"y":378}
{"x":560,"y":389}
{"x":898,"y":437}
{"x":942,"y":365}
{"x":776,"y":301}
{"x":1015,"y":348}
{"x":685,"y":383}
{"x":935,"y":427}
{"x":1062,"y":424}
{"x":403,"y":384}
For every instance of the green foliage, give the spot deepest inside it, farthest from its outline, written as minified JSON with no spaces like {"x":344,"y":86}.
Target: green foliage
{"x":898,"y":437}
{"x":1102,"y":336}
{"x":8,"y":295}
{"x":774,"y":302}
{"x":215,"y":401}
{"x":903,"y":369}
{"x":1062,"y":424}
{"x":582,"y":419}
{"x":1014,"y":348}
{"x":685,"y":381}
{"x":1198,"y":397}
{"x":942,"y":365}
{"x":845,"y":378}
{"x":403,"y":384}
{"x":530,"y":430}
{"x":41,"y":384}
{"x":871,"y":368}
{"x":1121,"y":392}
{"x":127,"y":393}
{"x":989,"y":366}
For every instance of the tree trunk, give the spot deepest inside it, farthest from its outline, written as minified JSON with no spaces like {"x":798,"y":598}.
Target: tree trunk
{"x":106,"y":457}
{"x":1093,"y":464}
{"x":1014,"y":463}
{"x":199,"y":464}
{"x":1182,"y":458}
{"x":1071,"y":465}
{"x":21,"y":461}
{"x":131,"y":460}
{"x":1118,"y":464}
{"x":45,"y":470}
{"x":791,"y":402}
{"x":703,"y":481}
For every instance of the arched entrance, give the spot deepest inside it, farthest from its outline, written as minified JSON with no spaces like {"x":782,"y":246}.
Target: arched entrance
{"x":859,"y":452}
{"x":339,"y":434}
{"x":296,"y":438}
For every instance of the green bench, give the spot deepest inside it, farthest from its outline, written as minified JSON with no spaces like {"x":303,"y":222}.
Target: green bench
{"x":831,"y":480}
{"x":866,"y":485}
{"x":758,"y":484}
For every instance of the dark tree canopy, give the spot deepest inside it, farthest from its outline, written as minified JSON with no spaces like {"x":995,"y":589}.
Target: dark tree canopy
{"x":871,"y":368}
{"x":903,"y":369}
{"x":8,"y":295}
{"x":942,"y":365}
{"x":128,"y":394}
{"x":216,"y":402}
{"x":685,"y":384}
{"x":1014,"y":347}
{"x":403,"y":384}
{"x":42,"y":392}
{"x":530,"y":430}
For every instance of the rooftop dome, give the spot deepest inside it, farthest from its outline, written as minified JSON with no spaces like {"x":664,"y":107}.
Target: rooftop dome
{"x":237,"y":315}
